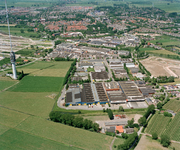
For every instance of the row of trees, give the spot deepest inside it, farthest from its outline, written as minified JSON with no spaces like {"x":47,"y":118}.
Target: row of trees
{"x":143,"y":120}
{"x":71,"y":120}
{"x":69,"y":72}
{"x":63,"y":59}
{"x":144,"y":70}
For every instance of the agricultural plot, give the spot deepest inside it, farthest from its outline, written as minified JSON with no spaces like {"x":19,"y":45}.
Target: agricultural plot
{"x":38,"y":84}
{"x":3,"y":129}
{"x":65,"y":134}
{"x":6,"y":82}
{"x":146,"y":49}
{"x":172,"y":105}
{"x":19,"y":140}
{"x":51,"y":69}
{"x":158,"y":124}
{"x":117,"y":142}
{"x":173,"y":129}
{"x":32,"y":103}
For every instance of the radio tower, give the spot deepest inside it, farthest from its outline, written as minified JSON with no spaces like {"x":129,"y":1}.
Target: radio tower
{"x":12,"y":54}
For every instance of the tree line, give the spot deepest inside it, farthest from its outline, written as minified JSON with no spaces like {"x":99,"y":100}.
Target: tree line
{"x":69,"y":72}
{"x":75,"y":121}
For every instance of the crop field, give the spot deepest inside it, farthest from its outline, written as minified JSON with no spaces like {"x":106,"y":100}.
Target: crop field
{"x":33,"y":103}
{"x":38,"y":84}
{"x":51,"y":69}
{"x":157,"y":124}
{"x":173,"y":129}
{"x":6,"y":82}
{"x":173,"y":105}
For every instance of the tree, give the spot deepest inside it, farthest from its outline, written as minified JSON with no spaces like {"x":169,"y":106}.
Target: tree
{"x":159,"y":105}
{"x":87,"y":124}
{"x":22,"y":31}
{"x":121,"y":108}
{"x":110,"y":114}
{"x":154,"y":136}
{"x":165,"y":140}
{"x":142,"y":121}
{"x":167,"y":114}
{"x":32,"y":46}
{"x":131,"y":122}
{"x":95,"y":126}
{"x":124,"y":135}
{"x":78,"y":122}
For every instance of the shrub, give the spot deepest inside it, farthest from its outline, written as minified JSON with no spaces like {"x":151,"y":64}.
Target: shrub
{"x":165,"y":140}
{"x":166,"y":114}
{"x":154,"y":136}
{"x":121,"y":108}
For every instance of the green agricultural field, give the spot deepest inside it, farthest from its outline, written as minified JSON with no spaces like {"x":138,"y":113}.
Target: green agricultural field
{"x":39,"y":104}
{"x":11,"y":118}
{"x":65,"y":134}
{"x":173,"y":105}
{"x":157,"y":124}
{"x":38,"y":84}
{"x":51,"y":69}
{"x":4,"y":61}
{"x":6,"y":82}
{"x":173,"y":129}
{"x":19,"y":140}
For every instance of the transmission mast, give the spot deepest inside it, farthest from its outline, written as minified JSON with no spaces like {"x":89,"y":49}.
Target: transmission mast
{"x":12,"y":54}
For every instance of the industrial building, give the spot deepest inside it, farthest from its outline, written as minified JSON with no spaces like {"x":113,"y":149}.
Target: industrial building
{"x":100,"y":76}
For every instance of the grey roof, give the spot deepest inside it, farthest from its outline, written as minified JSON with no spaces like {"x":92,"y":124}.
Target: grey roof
{"x":100,"y":75}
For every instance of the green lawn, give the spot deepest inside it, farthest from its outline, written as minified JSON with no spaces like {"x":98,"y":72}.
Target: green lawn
{"x":19,"y":140}
{"x":3,"y":129}
{"x":38,"y":84}
{"x":65,"y":134}
{"x":172,"y":105}
{"x":90,"y":69}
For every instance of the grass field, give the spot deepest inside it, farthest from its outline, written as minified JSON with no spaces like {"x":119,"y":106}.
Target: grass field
{"x":6,"y":82}
{"x":11,"y":118}
{"x":38,"y":84}
{"x":146,"y":49}
{"x":166,"y":40}
{"x":38,"y":104}
{"x":51,"y":69}
{"x":17,"y":31}
{"x":166,"y":52}
{"x":173,"y":129}
{"x":90,"y":69}
{"x":19,"y":140}
{"x":157,"y":124}
{"x":117,"y":142}
{"x":69,"y":135}
{"x":173,"y":105}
